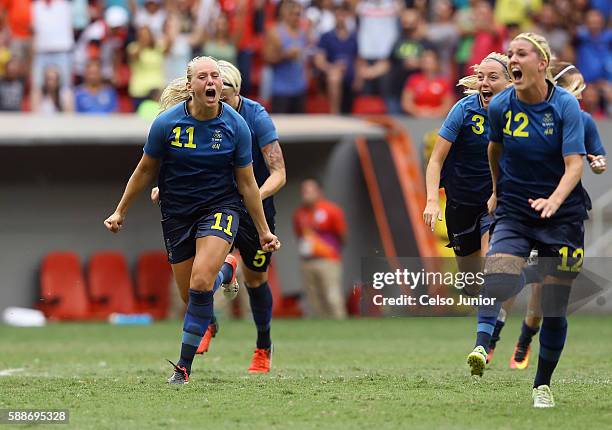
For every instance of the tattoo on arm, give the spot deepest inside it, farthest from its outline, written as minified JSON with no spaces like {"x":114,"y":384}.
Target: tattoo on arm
{"x":273,"y":156}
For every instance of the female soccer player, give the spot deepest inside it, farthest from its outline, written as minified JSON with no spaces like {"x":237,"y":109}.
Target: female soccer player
{"x":536,"y":128}
{"x":459,"y":163}
{"x":269,"y":169}
{"x":203,"y":153}
{"x":566,"y":76}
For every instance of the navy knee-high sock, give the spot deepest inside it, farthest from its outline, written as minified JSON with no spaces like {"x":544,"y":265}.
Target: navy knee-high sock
{"x":261,"y":306}
{"x":553,"y":331}
{"x":527,"y":334}
{"x":227,"y":272}
{"x":498,"y":286}
{"x":197,"y":318}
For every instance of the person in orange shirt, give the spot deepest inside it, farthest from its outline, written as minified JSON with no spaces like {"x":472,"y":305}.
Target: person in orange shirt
{"x":320,"y":228}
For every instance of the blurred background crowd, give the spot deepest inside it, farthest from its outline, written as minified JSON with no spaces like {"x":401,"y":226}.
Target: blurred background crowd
{"x":296,"y":56}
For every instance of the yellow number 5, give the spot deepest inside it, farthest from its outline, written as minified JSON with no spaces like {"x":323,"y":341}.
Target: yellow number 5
{"x":260,"y":258}
{"x":217,"y":225}
{"x":478,"y":127}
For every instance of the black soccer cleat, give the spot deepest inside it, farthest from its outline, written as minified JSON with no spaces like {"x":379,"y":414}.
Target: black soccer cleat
{"x":180,"y":375}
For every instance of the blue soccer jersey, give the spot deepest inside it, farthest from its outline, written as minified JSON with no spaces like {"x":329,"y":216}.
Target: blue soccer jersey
{"x":263,"y":133}
{"x":535,"y":139}
{"x":592,"y":141}
{"x":465,"y":175}
{"x":198,"y":159}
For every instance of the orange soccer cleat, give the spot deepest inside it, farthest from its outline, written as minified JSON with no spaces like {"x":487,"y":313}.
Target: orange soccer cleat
{"x":211,"y":332}
{"x":262,"y":360}
{"x":520,"y":357}
{"x":490,"y":355}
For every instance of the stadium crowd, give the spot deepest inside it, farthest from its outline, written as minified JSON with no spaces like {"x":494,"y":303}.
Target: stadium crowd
{"x":296,"y":56}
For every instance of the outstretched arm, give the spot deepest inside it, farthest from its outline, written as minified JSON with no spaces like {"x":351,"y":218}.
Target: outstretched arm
{"x":142,"y":176}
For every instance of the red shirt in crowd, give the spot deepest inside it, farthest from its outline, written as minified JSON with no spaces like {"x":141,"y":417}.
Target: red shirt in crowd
{"x":321,"y":230}
{"x":19,"y":17}
{"x":427,"y":92}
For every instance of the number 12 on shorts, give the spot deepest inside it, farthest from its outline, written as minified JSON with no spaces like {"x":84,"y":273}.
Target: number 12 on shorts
{"x":217,"y":225}
{"x":577,"y":255}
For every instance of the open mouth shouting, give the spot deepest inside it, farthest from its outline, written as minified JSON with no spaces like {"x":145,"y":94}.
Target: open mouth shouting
{"x":517,"y":74}
{"x":211,"y":95}
{"x":486,"y":95}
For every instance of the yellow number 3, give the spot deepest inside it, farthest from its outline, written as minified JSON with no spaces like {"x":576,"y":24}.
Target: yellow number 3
{"x":478,"y":127}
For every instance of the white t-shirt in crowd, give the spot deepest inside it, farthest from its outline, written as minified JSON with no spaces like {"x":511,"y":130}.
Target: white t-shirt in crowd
{"x":52,"y":23}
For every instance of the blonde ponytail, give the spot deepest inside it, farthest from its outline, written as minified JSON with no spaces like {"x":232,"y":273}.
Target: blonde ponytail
{"x":176,"y":92}
{"x":470,"y":82}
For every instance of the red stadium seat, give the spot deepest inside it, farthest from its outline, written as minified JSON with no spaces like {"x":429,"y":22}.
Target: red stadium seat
{"x":369,"y":105}
{"x":153,"y":280}
{"x":110,"y":286}
{"x":317,"y":103}
{"x":62,"y":287}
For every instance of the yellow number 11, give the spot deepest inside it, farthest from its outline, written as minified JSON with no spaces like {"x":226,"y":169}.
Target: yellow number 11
{"x":217,"y":225}
{"x":177,"y":136}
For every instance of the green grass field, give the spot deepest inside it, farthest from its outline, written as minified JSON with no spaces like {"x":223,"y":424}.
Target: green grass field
{"x":388,"y":373}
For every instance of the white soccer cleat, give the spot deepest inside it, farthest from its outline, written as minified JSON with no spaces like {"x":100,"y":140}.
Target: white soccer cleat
{"x":230,"y":291}
{"x":477,"y":360}
{"x":542,"y":397}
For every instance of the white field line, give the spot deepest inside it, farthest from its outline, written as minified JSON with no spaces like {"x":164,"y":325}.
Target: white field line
{"x":9,"y":372}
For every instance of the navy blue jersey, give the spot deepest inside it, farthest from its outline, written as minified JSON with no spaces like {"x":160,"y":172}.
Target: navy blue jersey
{"x":535,"y":139}
{"x":198,"y":159}
{"x":466,"y":177}
{"x":263,"y":133}
{"x":592,"y":141}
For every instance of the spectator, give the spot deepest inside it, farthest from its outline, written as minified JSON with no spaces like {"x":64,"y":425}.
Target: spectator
{"x":591,"y":102}
{"x":335,"y":58}
{"x":181,"y":39}
{"x":406,"y":56}
{"x":152,"y":15}
{"x":285,"y":50}
{"x":594,"y":49}
{"x":149,"y":108}
{"x":444,"y":35}
{"x":54,"y":97}
{"x":516,"y":12}
{"x":146,"y":59}
{"x":222,"y":45}
{"x":321,"y":17}
{"x":102,"y":40}
{"x":19,"y":20}
{"x":427,"y":94}
{"x":248,"y":24}
{"x":94,"y":96}
{"x":464,"y":18}
{"x":53,"y":41}
{"x":488,"y":35}
{"x":320,"y":228}
{"x":377,"y":32}
{"x":548,"y":26}
{"x":12,"y":86}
